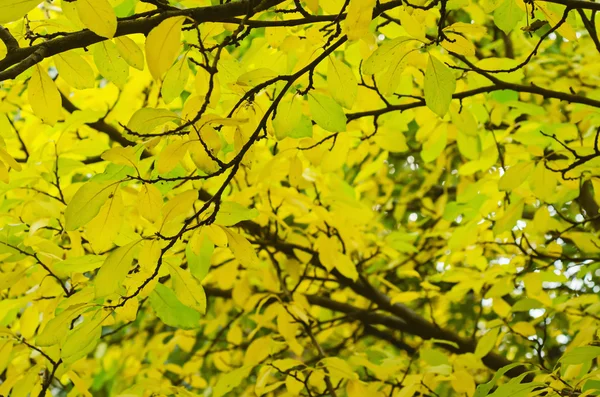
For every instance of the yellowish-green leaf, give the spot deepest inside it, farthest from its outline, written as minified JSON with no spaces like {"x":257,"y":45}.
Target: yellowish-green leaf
{"x":386,"y":56}
{"x":512,"y":214}
{"x":515,"y":175}
{"x":341,"y":82}
{"x":11,"y":10}
{"x":110,"y":63}
{"x":57,"y":327}
{"x":358,"y":18}
{"x":175,"y":80}
{"x":290,"y":121}
{"x":162,"y":46}
{"x":75,"y":70}
{"x":87,"y":202}
{"x":44,"y":97}
{"x":83,"y":339}
{"x":440,"y":84}
{"x":145,"y":120}
{"x":256,"y":77}
{"x":435,"y":144}
{"x":508,"y":15}
{"x":524,"y":328}
{"x":231,"y":213}
{"x":130,"y":51}
{"x":327,"y":113}
{"x":229,"y":381}
{"x":171,"y":155}
{"x":188,"y":290}
{"x":114,"y":270}
{"x":98,"y":16}
{"x":487,"y":342}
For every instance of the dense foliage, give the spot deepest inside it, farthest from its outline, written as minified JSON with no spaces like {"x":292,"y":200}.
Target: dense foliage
{"x":302,"y":197}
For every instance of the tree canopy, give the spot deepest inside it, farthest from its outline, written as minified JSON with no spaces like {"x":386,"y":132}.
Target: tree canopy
{"x":299,"y":198}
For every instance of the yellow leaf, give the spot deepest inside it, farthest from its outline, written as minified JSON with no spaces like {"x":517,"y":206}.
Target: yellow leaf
{"x":512,"y":214}
{"x":188,"y":290}
{"x":30,"y":319}
{"x":459,"y":44}
{"x":150,"y":202}
{"x":87,"y":202}
{"x":355,"y":388}
{"x":515,"y":175}
{"x":524,"y":328}
{"x":404,"y":297}
{"x":120,"y":155}
{"x":331,"y":257}
{"x":543,"y":182}
{"x":413,"y":27}
{"x":162,"y":46}
{"x":242,"y":249}
{"x":179,"y":206}
{"x":341,"y":82}
{"x":113,"y":271}
{"x":258,"y":350}
{"x":358,"y":18}
{"x":171,"y":155}
{"x":104,"y":228}
{"x":98,"y":16}
{"x":440,"y":84}
{"x":8,"y":159}
{"x":75,"y":70}
{"x":202,"y":84}
{"x":44,"y":97}
{"x":130,"y":51}
{"x":391,"y":139}
{"x":11,"y":10}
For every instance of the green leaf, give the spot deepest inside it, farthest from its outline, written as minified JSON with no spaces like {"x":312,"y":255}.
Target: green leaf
{"x":327,"y":113}
{"x":87,"y":202}
{"x":440,"y":84}
{"x":231,"y":213}
{"x":198,"y":253}
{"x":114,"y":270}
{"x":171,"y":311}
